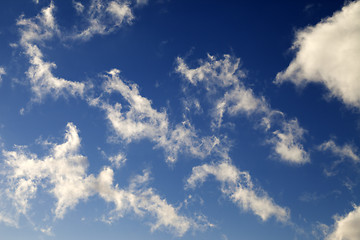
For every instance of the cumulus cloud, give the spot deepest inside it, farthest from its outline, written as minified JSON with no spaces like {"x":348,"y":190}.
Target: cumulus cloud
{"x":62,"y":173}
{"x":140,"y":120}
{"x":222,"y":80}
{"x":346,"y":227}
{"x":35,"y":31}
{"x":2,"y":72}
{"x":238,"y":187}
{"x":329,"y":53}
{"x":346,"y":151}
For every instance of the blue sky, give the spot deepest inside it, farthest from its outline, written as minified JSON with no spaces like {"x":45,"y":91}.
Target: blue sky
{"x":165,"y":119}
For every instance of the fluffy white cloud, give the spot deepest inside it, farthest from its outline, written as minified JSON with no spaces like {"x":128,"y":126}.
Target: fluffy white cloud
{"x":64,"y":168}
{"x":33,"y":32}
{"x":2,"y":72}
{"x":346,"y":151}
{"x":224,"y":77}
{"x":347,"y":227}
{"x":329,"y":53}
{"x":237,"y":185}
{"x":62,"y":173}
{"x":141,"y":120}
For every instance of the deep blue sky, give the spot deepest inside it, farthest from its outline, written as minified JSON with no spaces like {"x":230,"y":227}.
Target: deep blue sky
{"x":198,"y":81}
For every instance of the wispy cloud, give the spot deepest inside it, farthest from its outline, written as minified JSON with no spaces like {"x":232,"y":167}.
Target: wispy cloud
{"x":141,"y":200}
{"x":79,"y":7}
{"x":34,"y":31}
{"x":118,"y":160}
{"x":345,"y":151}
{"x":102,"y":17}
{"x":328,"y":53}
{"x":222,"y":80}
{"x":141,"y":121}
{"x":238,"y":187}
{"x":2,"y":73}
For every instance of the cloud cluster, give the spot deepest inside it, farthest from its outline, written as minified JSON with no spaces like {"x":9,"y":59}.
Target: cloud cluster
{"x":224,"y":77}
{"x":62,"y":173}
{"x":140,"y":120}
{"x":238,"y":187}
{"x":328,"y":53}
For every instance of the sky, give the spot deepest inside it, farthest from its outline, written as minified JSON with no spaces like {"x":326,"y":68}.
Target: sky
{"x":169,"y":119}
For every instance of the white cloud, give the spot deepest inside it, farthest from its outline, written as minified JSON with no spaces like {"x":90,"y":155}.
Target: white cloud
{"x":2,"y":72}
{"x":239,"y":188}
{"x":121,"y":12}
{"x":118,"y":160}
{"x":42,"y":80}
{"x":222,"y":80}
{"x":34,"y":31}
{"x":62,"y":173}
{"x":103,"y":17}
{"x":142,"y":121}
{"x":213,"y":73}
{"x":141,"y":200}
{"x":97,"y":17}
{"x":329,"y":53}
{"x":347,"y":227}
{"x":287,"y":144}
{"x":238,"y":100}
{"x":79,"y":7}
{"x":346,"y":151}
{"x":64,"y":168}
